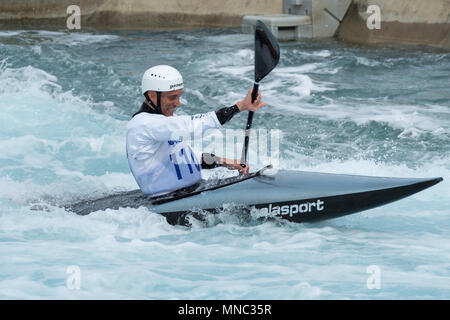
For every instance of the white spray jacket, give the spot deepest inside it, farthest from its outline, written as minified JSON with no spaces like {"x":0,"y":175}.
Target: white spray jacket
{"x":160,"y":160}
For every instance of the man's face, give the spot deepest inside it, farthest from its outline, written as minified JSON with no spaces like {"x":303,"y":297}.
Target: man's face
{"x":169,"y":101}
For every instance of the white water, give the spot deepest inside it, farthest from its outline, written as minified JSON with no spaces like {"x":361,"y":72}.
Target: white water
{"x":62,"y":139}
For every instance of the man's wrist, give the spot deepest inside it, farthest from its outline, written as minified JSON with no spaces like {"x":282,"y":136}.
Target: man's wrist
{"x":240,"y":105}
{"x":225,"y":114}
{"x":229,"y":163}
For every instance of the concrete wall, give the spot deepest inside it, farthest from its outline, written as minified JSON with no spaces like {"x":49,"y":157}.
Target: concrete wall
{"x":421,"y":22}
{"x":425,"y":22}
{"x":136,"y":14}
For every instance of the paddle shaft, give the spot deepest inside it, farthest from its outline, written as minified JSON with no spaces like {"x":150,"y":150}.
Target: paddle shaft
{"x":267,"y":55}
{"x":248,"y":127}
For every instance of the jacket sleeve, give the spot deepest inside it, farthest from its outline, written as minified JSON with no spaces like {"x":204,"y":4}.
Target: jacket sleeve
{"x":162,"y":128}
{"x":225,"y":114}
{"x":210,"y":161}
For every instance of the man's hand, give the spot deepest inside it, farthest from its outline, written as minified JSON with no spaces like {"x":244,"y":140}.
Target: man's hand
{"x":235,"y":164}
{"x":244,"y":170}
{"x":247,"y":104}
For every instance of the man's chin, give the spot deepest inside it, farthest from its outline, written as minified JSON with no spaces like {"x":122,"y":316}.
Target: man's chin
{"x":168,"y":113}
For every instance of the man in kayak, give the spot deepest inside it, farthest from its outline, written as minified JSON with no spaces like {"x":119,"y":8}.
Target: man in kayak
{"x":159,"y":160}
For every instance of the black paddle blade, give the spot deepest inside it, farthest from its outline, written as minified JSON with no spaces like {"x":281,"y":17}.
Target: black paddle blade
{"x":267,"y":51}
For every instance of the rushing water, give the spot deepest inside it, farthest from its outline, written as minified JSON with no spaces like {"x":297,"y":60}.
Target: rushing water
{"x":65,"y":99}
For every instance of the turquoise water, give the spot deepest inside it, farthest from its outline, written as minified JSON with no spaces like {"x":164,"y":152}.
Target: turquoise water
{"x":65,"y":99}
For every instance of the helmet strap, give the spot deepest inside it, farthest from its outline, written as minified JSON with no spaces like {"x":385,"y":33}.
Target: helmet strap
{"x":158,"y":99}
{"x":156,"y":107}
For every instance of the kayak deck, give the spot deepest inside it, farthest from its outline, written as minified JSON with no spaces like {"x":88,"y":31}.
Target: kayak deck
{"x":288,"y":185}
{"x":293,"y":195}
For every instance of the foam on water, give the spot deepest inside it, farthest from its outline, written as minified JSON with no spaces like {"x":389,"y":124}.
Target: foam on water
{"x":64,"y":106}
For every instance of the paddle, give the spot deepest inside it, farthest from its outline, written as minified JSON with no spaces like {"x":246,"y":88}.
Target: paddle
{"x":267,"y":55}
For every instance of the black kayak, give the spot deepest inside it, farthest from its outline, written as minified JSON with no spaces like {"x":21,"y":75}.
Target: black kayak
{"x":296,"y":196}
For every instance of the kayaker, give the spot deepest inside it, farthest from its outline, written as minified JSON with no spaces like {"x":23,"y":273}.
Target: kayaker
{"x":159,"y":160}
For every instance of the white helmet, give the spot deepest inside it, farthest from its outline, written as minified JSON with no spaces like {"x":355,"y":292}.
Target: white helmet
{"x":162,"y":78}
